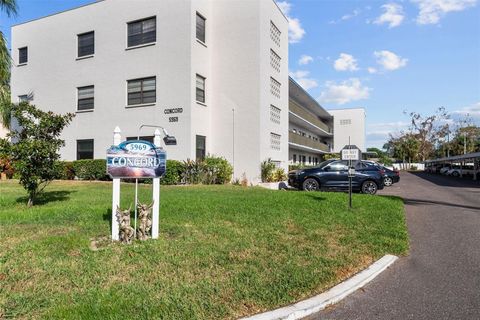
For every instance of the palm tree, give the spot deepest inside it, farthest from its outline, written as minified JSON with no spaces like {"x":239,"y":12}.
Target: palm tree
{"x":10,"y":8}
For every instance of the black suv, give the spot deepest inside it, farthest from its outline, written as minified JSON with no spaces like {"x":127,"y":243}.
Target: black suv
{"x":333,"y":174}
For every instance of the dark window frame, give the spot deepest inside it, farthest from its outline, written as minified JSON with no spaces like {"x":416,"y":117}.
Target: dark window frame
{"x":198,"y":150}
{"x":199,"y":32}
{"x":81,"y":47}
{"x":200,"y":91}
{"x":144,"y":138}
{"x":79,"y":157}
{"x":142,"y":91}
{"x":80,"y":101}
{"x":144,"y":37}
{"x":23,"y":57}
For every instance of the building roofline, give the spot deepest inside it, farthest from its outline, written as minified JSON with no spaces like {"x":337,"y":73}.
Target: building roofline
{"x":283,"y":14}
{"x":53,"y":14}
{"x":354,"y":108}
{"x":290,"y":79}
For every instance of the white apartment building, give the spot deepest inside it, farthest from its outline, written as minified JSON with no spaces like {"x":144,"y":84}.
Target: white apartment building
{"x":214,"y":73}
{"x":348,"y":123}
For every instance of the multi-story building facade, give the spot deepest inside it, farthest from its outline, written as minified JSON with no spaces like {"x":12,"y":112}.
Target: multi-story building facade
{"x":310,"y":128}
{"x":349,"y":123}
{"x":213,"y":73}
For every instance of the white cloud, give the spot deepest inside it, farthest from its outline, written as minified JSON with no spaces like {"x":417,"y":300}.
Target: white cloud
{"x":472,"y":112}
{"x":371,"y":70}
{"x":431,"y":11}
{"x":389,"y":60}
{"x":345,"y":91}
{"x":347,"y":16}
{"x":295,"y":30}
{"x":301,"y":77}
{"x":345,"y":62}
{"x":378,"y":133}
{"x":304,"y":59}
{"x":392,"y":15}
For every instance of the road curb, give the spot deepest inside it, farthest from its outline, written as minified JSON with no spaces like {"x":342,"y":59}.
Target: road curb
{"x":319,"y":302}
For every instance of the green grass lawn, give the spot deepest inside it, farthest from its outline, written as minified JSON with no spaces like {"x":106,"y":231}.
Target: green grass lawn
{"x":223,"y":252}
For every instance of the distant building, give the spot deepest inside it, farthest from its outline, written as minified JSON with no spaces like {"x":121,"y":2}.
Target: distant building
{"x":348,"y":123}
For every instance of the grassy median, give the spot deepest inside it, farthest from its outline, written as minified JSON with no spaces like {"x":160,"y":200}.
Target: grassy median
{"x":224,"y":251}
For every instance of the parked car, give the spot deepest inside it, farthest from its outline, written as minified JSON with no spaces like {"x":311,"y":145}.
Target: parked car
{"x":390,"y":177}
{"x":456,"y":171}
{"x":333,"y":174}
{"x":445,"y":169}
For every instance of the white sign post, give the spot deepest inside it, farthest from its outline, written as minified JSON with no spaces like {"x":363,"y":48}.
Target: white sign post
{"x":350,"y":155}
{"x":156,"y":195}
{"x":117,"y":139}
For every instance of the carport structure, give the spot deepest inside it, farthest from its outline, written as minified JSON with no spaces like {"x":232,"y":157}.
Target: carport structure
{"x":462,"y":160}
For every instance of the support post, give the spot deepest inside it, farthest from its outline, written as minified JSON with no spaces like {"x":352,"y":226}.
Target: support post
{"x":117,"y":139}
{"x":156,"y":194}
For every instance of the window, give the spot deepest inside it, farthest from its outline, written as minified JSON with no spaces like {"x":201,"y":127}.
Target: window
{"x":144,"y":138}
{"x":275,"y":60}
{"x":275,"y":33}
{"x":25,"y":98}
{"x":294,"y":158}
{"x":85,"y":99}
{"x":200,"y":89}
{"x":275,"y":141}
{"x":84,"y":149}
{"x":338,"y":166}
{"x":141,"y":91}
{"x":275,"y":114}
{"x":142,"y":32}
{"x":344,"y":122}
{"x":275,"y":87}
{"x":200,"y":147}
{"x":309,"y":159}
{"x":86,"y":44}
{"x":23,"y":55}
{"x":201,"y":27}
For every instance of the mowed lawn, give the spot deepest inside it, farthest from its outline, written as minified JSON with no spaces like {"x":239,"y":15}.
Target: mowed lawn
{"x":224,"y":251}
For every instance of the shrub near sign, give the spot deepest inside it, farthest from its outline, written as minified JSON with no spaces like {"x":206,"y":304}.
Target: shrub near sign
{"x":136,"y":159}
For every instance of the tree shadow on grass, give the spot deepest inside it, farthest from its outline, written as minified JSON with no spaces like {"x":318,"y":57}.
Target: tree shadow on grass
{"x":316,"y":196}
{"x":48,"y":196}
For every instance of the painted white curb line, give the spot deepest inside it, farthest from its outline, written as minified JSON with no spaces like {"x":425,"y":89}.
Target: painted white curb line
{"x":307,"y":307}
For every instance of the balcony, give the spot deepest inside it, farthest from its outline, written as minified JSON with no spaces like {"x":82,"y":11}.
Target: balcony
{"x":300,"y":112}
{"x":307,"y":143}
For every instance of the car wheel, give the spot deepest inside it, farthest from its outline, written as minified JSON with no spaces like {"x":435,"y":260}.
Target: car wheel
{"x":387,"y":181}
{"x":311,"y":184}
{"x":369,"y":187}
{"x":455,"y":174}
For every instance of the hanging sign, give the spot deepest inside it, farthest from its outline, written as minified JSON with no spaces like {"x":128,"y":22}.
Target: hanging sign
{"x":136,"y":159}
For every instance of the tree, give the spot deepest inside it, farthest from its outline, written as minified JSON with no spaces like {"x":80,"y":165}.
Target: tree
{"x":34,"y":145}
{"x":10,"y":8}
{"x":428,"y":130}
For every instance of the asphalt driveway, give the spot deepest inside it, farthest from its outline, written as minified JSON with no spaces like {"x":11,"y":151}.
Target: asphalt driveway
{"x":440,"y":279}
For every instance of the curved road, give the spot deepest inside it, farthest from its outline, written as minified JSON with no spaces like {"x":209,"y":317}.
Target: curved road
{"x":440,"y":279}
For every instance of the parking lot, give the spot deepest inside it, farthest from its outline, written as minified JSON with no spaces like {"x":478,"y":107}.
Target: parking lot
{"x":439,"y":279}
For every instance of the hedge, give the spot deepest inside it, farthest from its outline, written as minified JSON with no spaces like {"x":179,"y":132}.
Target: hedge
{"x":90,"y":169}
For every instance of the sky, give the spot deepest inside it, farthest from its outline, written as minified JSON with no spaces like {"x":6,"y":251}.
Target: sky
{"x":389,"y":57}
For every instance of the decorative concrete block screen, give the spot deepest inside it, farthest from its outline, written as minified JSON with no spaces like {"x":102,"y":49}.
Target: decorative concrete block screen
{"x":275,"y":60}
{"x":275,"y":33}
{"x":275,"y":141}
{"x":274,"y":114}
{"x":275,"y":87}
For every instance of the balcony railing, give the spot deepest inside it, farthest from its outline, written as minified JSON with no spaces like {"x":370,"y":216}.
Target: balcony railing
{"x":299,"y":111}
{"x":305,"y":141}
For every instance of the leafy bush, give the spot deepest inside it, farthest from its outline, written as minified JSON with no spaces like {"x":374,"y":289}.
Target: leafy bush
{"x":219,"y":168}
{"x":91,"y":169}
{"x":279,"y":175}
{"x":65,"y":170}
{"x":173,"y":175}
{"x":267,"y":168}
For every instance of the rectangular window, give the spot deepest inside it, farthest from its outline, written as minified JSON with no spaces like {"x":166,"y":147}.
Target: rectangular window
{"x":275,"y":33}
{"x":200,"y":88}
{"x":85,"y":149}
{"x":200,"y":27}
{"x":345,"y":122}
{"x":141,"y":91}
{"x":275,"y":87}
{"x":144,"y":138}
{"x":275,"y":114}
{"x":23,"y":55}
{"x":294,"y":158}
{"x":86,"y":44}
{"x":85,"y":98}
{"x":24,"y":98}
{"x":275,"y":60}
{"x":275,"y":141}
{"x":142,"y":32}
{"x":200,"y":147}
